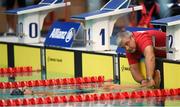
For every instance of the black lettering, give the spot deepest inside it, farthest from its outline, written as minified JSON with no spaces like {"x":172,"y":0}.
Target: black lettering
{"x":54,"y":59}
{"x":123,"y":68}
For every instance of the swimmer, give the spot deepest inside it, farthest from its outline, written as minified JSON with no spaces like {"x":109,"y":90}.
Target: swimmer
{"x":23,"y":91}
{"x":28,"y":91}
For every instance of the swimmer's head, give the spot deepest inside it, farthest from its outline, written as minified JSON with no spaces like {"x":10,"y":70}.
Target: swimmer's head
{"x":17,"y":91}
{"x":23,"y":91}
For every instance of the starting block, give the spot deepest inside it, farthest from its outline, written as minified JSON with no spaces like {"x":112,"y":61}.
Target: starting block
{"x":99,"y":24}
{"x":172,"y":35}
{"x":31,"y":18}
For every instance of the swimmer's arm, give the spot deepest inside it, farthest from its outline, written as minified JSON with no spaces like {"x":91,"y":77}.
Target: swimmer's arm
{"x":119,"y":87}
{"x":44,"y":93}
{"x":49,"y":93}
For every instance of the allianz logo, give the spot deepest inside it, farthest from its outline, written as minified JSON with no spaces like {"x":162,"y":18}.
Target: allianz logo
{"x":57,"y":33}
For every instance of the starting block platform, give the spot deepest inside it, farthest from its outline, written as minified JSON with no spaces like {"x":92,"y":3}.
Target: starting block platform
{"x":44,"y":5}
{"x":109,"y":9}
{"x":170,"y":21}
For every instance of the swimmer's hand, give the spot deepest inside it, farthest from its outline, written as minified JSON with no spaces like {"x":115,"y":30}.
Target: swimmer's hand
{"x":120,"y":87}
{"x":112,"y":87}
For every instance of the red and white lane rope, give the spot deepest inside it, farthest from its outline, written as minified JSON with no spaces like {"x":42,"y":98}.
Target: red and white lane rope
{"x":91,"y":97}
